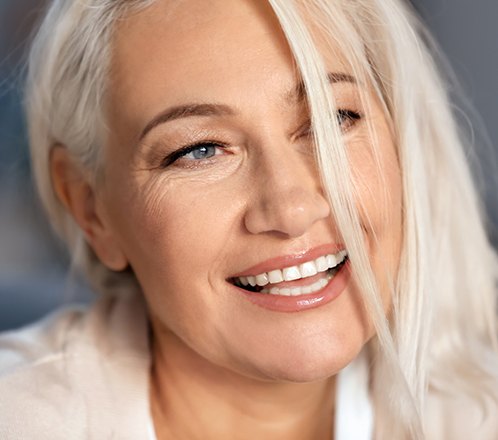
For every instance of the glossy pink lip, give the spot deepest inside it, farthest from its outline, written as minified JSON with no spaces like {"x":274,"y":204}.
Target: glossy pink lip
{"x":291,"y":260}
{"x":289,"y":304}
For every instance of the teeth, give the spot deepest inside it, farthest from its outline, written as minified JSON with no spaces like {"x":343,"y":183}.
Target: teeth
{"x":308,"y":269}
{"x":331,"y":260}
{"x":285,"y":291}
{"x":306,"y":290}
{"x":262,"y":279}
{"x":275,"y":276}
{"x":291,"y":273}
{"x":304,"y":270}
{"x":321,"y":264}
{"x":296,"y":291}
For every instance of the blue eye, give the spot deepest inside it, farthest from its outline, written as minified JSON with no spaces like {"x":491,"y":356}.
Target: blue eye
{"x":201,"y":152}
{"x":194,"y":153}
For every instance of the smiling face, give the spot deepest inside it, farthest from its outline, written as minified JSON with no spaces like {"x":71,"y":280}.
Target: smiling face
{"x":211,"y":184}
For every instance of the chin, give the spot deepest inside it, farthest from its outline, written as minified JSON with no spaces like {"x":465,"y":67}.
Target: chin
{"x":308,"y":367}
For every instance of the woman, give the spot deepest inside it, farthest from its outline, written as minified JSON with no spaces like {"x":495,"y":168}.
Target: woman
{"x":274,"y":205}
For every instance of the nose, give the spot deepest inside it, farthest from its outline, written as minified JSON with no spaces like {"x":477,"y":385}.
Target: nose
{"x":287,"y":195}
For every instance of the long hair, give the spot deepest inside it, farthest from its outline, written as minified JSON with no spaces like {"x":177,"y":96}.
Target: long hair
{"x":441,"y":336}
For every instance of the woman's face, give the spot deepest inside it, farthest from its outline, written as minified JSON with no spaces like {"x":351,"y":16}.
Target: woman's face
{"x":246,"y":199}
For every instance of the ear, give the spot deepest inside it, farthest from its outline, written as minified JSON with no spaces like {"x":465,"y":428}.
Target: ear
{"x":77,"y":195}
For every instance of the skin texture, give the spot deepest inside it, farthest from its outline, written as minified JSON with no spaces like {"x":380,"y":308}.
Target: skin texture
{"x":244,"y":371}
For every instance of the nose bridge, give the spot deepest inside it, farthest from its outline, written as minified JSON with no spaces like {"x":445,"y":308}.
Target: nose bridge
{"x":288,"y":197}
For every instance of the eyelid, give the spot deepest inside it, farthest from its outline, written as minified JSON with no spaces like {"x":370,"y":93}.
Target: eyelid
{"x":345,"y":114}
{"x":186,"y":149}
{"x":353,"y":116}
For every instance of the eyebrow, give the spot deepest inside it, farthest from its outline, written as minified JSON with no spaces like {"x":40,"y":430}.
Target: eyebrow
{"x":298,"y":93}
{"x":189,"y":110}
{"x":186,"y":111}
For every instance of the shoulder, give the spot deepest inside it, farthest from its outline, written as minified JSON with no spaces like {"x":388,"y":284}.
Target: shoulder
{"x":461,"y":417}
{"x":31,"y":376}
{"x":38,"y":343}
{"x":61,"y":377}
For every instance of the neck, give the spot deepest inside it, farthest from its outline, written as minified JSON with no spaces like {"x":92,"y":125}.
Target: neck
{"x":192,"y":398}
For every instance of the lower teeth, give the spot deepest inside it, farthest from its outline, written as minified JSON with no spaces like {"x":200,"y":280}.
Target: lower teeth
{"x":296,"y":291}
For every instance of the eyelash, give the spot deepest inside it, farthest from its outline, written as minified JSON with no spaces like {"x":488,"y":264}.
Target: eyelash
{"x":343,"y":115}
{"x":183,"y":151}
{"x":348,"y":115}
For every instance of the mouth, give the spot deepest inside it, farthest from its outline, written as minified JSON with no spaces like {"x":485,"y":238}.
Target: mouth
{"x":303,"y":279}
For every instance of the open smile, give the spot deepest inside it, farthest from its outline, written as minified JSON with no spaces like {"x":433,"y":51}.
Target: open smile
{"x":305,"y":278}
{"x":291,"y":288}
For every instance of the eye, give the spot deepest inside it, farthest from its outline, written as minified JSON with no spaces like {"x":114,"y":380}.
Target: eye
{"x":193,"y":153}
{"x":347,"y":118}
{"x":201,"y":152}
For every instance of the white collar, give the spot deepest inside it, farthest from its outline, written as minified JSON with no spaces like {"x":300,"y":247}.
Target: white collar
{"x":354,"y":414}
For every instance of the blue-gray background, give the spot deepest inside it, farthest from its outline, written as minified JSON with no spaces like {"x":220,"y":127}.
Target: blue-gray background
{"x":33,"y":265}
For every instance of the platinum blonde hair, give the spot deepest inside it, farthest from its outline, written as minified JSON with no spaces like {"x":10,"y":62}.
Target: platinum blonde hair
{"x":441,"y":337}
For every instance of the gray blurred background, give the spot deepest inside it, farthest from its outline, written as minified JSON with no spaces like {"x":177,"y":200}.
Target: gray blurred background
{"x":33,"y":264}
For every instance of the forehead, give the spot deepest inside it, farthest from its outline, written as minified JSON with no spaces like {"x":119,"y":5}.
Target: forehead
{"x":174,"y":52}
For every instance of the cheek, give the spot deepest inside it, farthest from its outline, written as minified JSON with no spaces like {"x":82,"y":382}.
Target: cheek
{"x":378,"y":185}
{"x":175,"y":237}
{"x":181,"y":226}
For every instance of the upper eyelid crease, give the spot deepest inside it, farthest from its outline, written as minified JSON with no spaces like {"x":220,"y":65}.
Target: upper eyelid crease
{"x":186,"y":111}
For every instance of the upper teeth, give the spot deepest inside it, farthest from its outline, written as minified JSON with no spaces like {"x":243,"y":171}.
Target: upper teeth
{"x":304,"y":270}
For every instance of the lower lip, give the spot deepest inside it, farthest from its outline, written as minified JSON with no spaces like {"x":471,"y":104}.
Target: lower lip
{"x":280,"y":303}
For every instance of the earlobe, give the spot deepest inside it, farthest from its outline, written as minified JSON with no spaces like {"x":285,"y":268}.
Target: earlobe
{"x":74,"y":190}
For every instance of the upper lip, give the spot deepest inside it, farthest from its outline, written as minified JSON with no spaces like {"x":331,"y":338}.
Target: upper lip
{"x":295,"y":259}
